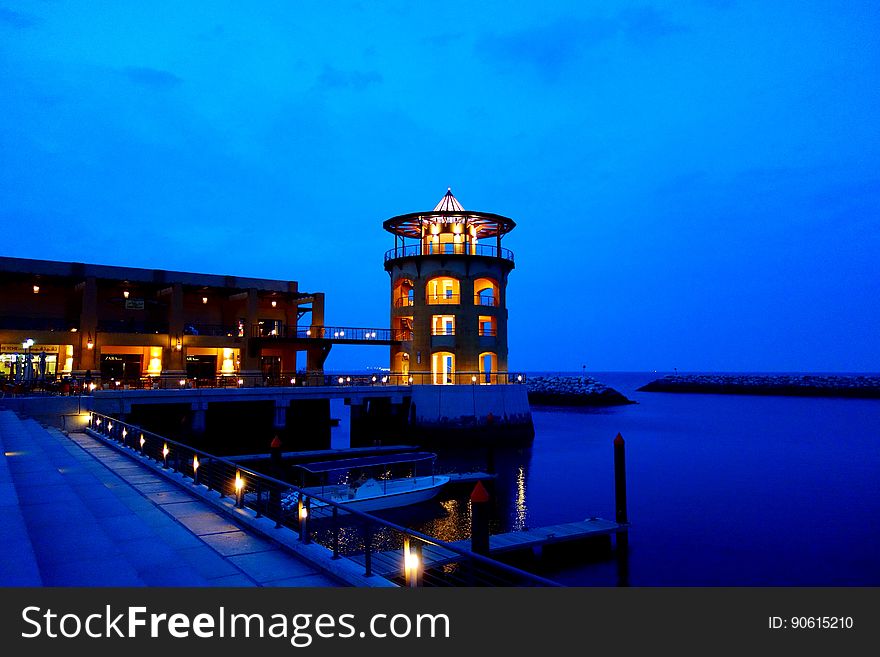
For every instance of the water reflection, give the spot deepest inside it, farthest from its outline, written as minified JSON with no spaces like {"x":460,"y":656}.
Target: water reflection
{"x":519,"y":519}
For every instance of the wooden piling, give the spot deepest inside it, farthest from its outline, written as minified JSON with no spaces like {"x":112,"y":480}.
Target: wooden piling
{"x":480,"y":519}
{"x":620,"y":515}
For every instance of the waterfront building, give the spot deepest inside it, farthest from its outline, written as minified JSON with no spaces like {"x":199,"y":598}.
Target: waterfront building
{"x":449,"y":294}
{"x":131,"y":325}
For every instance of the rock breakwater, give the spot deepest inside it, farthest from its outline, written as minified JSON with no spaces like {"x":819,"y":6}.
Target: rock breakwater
{"x":572,"y":391}
{"x":806,"y":385}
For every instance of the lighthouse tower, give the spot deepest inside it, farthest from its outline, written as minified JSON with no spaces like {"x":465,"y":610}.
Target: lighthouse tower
{"x":448,"y":295}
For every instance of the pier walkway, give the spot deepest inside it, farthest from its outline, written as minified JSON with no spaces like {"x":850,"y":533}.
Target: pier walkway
{"x":74,"y":512}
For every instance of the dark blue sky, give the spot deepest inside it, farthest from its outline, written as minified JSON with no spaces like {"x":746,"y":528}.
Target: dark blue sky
{"x":697,"y":184}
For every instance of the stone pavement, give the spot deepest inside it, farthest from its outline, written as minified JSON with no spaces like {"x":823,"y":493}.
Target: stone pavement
{"x":74,"y":512}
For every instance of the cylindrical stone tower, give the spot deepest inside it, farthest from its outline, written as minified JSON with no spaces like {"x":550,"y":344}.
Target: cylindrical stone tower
{"x":448,"y":295}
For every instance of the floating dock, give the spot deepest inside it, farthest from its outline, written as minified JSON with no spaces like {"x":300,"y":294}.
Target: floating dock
{"x":326,"y":454}
{"x":389,"y":563}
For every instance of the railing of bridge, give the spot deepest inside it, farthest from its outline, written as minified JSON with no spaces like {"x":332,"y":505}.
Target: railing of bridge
{"x":345,"y":532}
{"x":341,"y":333}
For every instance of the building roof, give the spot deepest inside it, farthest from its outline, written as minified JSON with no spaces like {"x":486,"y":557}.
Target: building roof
{"x":487,"y":224}
{"x":51,"y":268}
{"x":448,"y":203}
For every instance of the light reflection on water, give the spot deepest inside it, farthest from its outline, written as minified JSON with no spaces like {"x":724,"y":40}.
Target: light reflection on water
{"x":519,"y":522}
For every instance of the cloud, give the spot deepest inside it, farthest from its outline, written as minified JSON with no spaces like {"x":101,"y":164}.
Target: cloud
{"x":151,"y":77}
{"x":642,"y":24}
{"x":17,"y":19}
{"x":335,"y":78}
{"x":550,"y":49}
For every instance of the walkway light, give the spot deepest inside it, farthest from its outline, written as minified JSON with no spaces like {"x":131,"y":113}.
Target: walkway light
{"x":342,"y":334}
{"x":410,"y":380}
{"x":182,"y":382}
{"x":143,"y":442}
{"x":348,"y":379}
{"x":341,"y":380}
{"x":519,"y":377}
{"x":239,"y":487}
{"x":473,"y":379}
{"x":124,"y":433}
{"x":109,"y":426}
{"x":165,"y":451}
{"x":411,"y":564}
{"x":204,"y":299}
{"x":179,"y":344}
{"x":303,"y":513}
{"x":89,"y":343}
{"x":374,"y":378}
{"x":36,"y":289}
{"x":92,"y":386}
{"x":384,"y":379}
{"x":195,"y":463}
{"x":274,"y":303}
{"x":125,"y":293}
{"x":292,"y":381}
{"x":98,"y":421}
{"x":241,"y":382}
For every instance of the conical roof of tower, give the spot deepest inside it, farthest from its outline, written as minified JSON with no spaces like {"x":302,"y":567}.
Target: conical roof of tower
{"x":448,"y":203}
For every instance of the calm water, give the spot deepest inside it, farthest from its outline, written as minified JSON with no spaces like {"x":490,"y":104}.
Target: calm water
{"x":723,"y":490}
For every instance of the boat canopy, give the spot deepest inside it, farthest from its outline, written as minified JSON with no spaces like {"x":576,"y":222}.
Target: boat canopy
{"x":367,"y":461}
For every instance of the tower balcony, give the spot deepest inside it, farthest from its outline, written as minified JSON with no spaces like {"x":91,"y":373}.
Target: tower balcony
{"x":449,"y":249}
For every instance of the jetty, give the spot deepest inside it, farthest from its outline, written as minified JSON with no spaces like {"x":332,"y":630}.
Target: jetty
{"x":792,"y":385}
{"x":389,"y":563}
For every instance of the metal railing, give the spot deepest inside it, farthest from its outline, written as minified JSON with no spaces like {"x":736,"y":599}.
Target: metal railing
{"x":303,"y":379}
{"x":485,"y":300}
{"x":488,"y":332}
{"x":401,"y":302}
{"x":429,"y":249}
{"x":345,"y":532}
{"x":443,"y":299}
{"x":347,"y":333}
{"x":211,"y":330}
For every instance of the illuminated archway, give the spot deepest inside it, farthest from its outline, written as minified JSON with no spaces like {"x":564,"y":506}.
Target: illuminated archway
{"x":486,"y":292}
{"x":488,"y":367}
{"x":443,"y":367}
{"x":443,"y":290}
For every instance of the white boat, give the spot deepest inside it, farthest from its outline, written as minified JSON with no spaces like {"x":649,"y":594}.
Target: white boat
{"x":368,"y":493}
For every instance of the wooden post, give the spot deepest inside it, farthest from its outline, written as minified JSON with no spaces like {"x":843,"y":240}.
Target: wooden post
{"x":480,"y":519}
{"x":276,"y":461}
{"x":620,"y":515}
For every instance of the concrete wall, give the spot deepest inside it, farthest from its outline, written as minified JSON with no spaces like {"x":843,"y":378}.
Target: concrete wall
{"x":499,"y":413}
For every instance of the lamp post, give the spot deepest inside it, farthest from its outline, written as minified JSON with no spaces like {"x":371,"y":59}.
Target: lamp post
{"x":26,"y":369}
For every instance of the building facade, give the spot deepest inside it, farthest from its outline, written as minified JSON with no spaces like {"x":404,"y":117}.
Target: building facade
{"x":131,"y":325}
{"x":449,"y":294}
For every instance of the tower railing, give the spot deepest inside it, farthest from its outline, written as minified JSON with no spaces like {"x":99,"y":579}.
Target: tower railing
{"x":485,"y":250}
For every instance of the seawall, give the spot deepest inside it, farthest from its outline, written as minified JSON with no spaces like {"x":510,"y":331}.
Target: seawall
{"x":807,"y":385}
